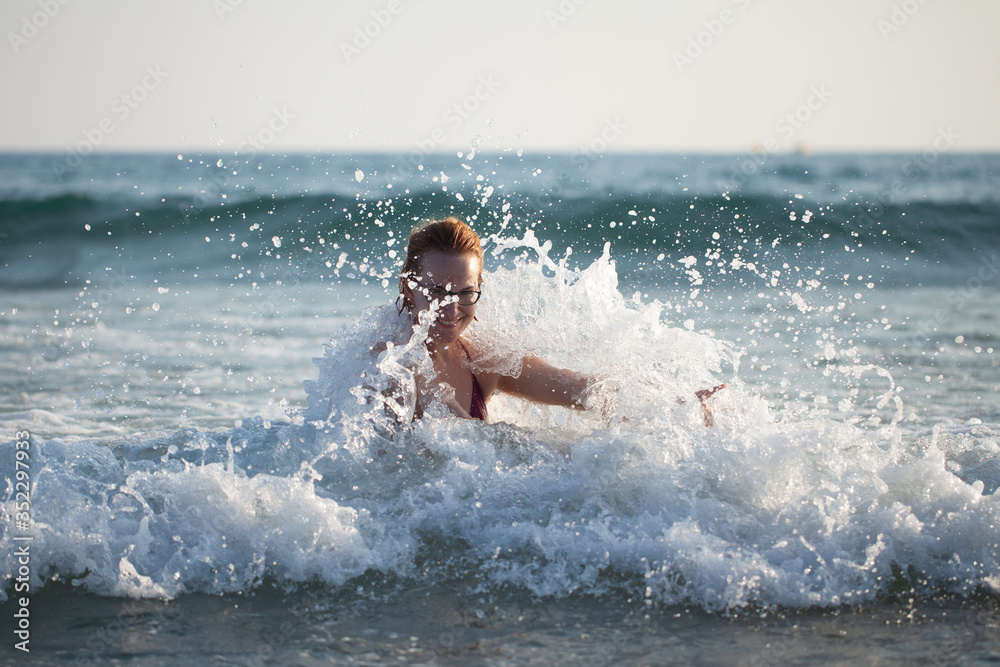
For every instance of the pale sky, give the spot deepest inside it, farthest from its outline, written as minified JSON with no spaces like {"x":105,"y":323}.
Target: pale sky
{"x":544,"y":76}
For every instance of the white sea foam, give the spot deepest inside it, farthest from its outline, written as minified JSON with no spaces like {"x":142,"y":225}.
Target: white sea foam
{"x":769,"y":506}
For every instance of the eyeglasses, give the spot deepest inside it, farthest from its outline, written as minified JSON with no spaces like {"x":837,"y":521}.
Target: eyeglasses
{"x":464,"y":298}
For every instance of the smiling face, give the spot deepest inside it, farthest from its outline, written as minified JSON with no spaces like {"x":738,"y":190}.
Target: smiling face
{"x":447,"y":272}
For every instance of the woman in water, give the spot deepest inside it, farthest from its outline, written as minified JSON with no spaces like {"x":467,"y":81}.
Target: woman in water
{"x":443,"y":272}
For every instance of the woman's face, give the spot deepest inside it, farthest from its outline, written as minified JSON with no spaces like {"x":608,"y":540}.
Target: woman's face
{"x":441,"y":274}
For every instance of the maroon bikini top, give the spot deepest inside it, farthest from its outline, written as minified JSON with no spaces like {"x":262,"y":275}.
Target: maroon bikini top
{"x":478,"y":408}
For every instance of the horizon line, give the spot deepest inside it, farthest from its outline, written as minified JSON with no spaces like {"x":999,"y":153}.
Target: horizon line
{"x":519,"y":152}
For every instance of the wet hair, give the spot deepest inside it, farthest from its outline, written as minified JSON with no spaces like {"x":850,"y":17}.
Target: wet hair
{"x":448,"y":235}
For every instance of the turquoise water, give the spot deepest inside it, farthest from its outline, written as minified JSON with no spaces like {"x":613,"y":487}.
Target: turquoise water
{"x":157,"y":337}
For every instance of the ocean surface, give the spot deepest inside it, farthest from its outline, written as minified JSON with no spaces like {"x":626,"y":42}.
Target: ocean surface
{"x":203,"y":463}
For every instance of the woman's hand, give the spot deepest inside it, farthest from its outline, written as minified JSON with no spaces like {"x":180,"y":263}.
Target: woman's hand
{"x":705,"y":394}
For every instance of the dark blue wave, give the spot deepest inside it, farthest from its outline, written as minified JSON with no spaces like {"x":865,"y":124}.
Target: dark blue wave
{"x":70,"y":235}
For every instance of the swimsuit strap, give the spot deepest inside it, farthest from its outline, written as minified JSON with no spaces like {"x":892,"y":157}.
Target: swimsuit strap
{"x":477,"y":410}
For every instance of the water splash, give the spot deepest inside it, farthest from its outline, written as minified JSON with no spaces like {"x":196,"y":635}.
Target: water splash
{"x":770,"y":506}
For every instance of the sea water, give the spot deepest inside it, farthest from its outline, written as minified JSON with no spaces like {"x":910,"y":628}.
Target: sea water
{"x":188,"y":356}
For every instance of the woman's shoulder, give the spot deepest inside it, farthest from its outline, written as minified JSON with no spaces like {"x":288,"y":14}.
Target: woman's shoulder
{"x":472,"y":349}
{"x":478,"y":356}
{"x":487,"y":355}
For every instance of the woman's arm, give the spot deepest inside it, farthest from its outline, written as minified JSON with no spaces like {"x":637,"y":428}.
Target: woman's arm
{"x":541,"y":382}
